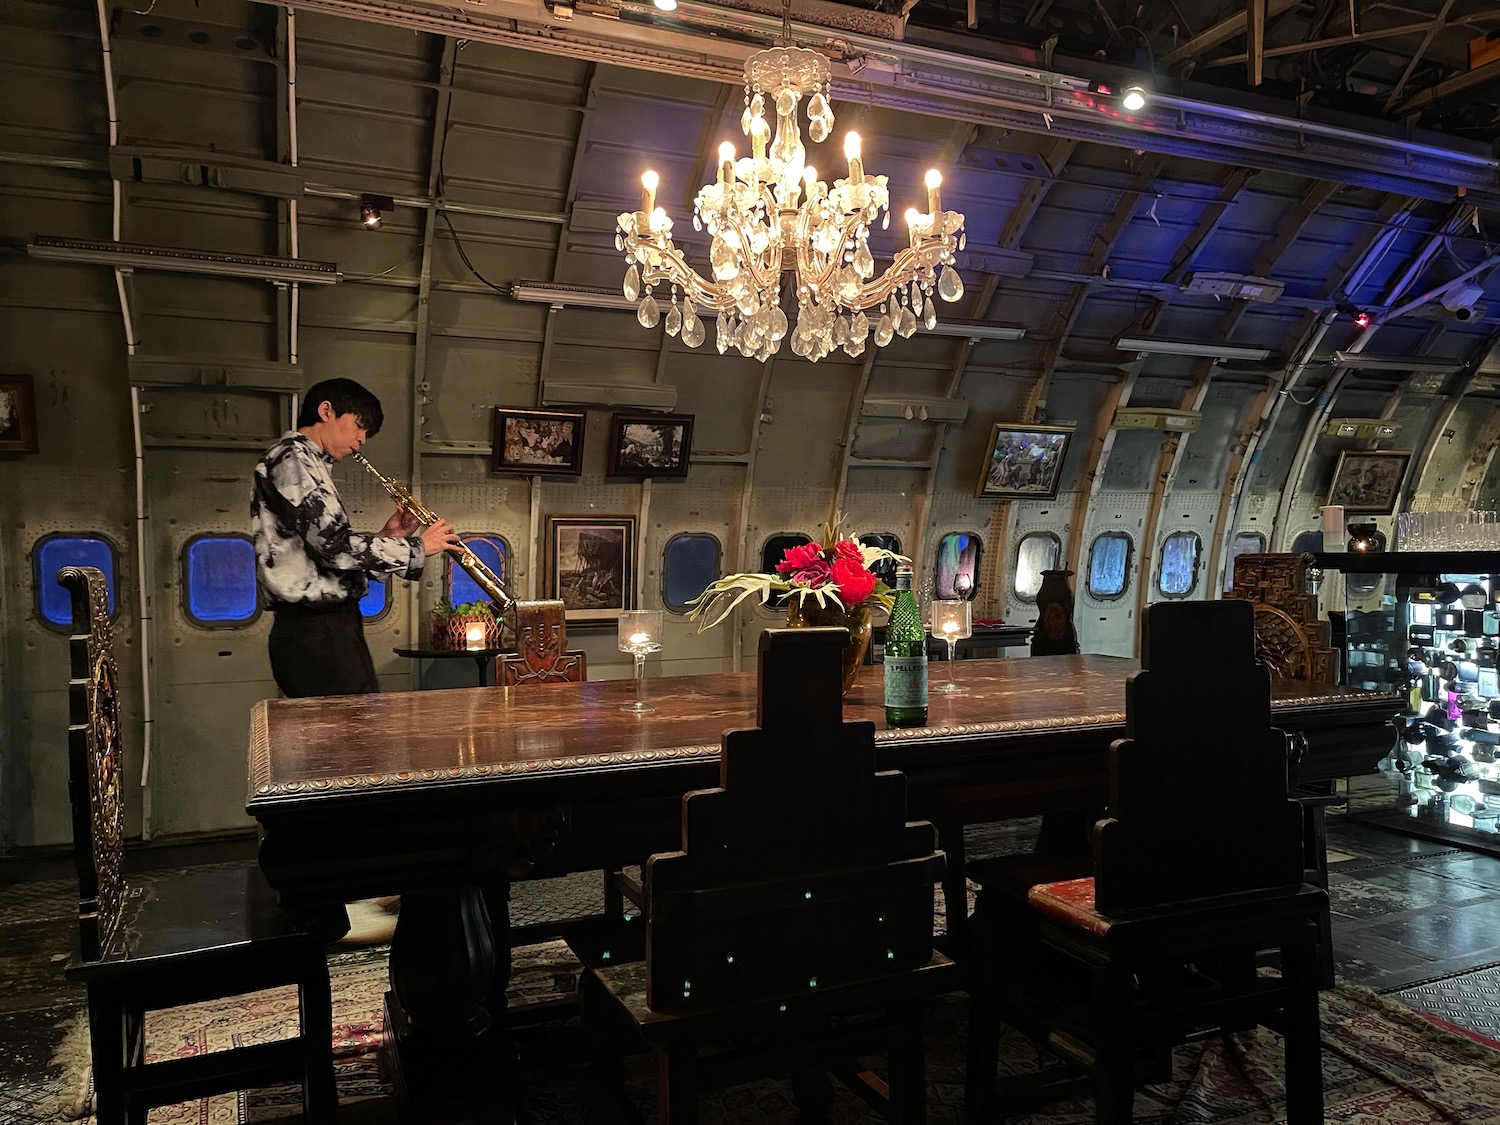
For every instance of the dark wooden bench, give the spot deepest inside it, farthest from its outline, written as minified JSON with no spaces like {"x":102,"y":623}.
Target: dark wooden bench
{"x":1198,"y":878}
{"x":202,"y":936}
{"x":793,"y":931}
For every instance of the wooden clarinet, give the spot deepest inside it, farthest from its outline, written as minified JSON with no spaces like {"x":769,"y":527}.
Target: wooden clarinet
{"x":473,"y":565}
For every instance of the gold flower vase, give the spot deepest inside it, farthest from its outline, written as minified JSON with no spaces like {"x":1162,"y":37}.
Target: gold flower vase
{"x":809,"y":614}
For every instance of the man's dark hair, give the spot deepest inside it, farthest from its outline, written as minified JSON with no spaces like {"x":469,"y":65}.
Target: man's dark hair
{"x":346,"y":397}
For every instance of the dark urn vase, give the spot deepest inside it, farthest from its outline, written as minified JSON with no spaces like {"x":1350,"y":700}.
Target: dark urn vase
{"x":1054,"y":634}
{"x":856,"y":619}
{"x":1365,"y":536}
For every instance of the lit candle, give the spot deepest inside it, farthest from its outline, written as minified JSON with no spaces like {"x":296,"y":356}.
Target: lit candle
{"x":851,"y":153}
{"x":913,"y":218}
{"x":759,"y":131}
{"x":810,"y":180}
{"x":934,"y":181}
{"x":474,"y":635}
{"x":649,"y":180}
{"x":639,"y":638}
{"x":950,"y":626}
{"x":726,"y":163}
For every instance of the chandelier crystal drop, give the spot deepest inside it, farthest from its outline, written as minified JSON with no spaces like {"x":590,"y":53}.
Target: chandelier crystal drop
{"x":768,"y":215}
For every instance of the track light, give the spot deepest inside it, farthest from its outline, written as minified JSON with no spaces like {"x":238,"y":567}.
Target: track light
{"x":1133,"y":100}
{"x":1147,"y":345}
{"x":1361,"y":317}
{"x":371,"y":207}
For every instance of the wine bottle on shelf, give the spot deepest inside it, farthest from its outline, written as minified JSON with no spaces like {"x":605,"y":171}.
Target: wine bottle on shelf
{"x":905,"y":658}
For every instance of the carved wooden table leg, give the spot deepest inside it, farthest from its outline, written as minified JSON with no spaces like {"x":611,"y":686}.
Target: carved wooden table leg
{"x":447,"y":1062}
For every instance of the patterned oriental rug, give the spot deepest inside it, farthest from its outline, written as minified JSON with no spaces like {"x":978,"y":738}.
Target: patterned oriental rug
{"x":1382,"y":1062}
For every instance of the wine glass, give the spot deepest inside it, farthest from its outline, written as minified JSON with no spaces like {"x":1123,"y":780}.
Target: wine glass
{"x":640,"y":635}
{"x":951,"y":621}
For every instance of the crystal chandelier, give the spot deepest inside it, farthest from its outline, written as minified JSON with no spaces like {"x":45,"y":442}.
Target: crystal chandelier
{"x":769,"y":215}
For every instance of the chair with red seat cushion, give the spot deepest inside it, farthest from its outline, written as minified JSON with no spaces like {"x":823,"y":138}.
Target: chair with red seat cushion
{"x":1197,"y":879}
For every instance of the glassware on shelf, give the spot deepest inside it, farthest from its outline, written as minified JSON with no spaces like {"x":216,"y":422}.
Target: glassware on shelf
{"x":640,"y":635}
{"x":951,"y":621}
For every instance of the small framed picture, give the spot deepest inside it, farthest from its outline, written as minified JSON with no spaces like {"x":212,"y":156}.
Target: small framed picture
{"x":538,"y":441}
{"x":650,"y":445}
{"x":17,"y":415}
{"x":1369,"y":480}
{"x":591,"y":565}
{"x":1024,"y":462}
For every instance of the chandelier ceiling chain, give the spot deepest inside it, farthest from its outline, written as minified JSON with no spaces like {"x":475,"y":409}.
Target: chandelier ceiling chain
{"x":768,"y":214}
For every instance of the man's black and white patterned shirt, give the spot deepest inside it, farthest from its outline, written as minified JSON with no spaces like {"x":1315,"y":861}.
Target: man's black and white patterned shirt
{"x":305,"y":551}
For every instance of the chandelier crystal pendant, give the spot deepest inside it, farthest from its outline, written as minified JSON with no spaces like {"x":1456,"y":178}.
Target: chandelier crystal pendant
{"x":769,"y":215}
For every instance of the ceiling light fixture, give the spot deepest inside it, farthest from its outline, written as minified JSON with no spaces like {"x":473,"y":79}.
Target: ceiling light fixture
{"x":561,"y":295}
{"x":768,"y":214}
{"x":176,"y":259}
{"x":370,"y":208}
{"x":1133,"y":100}
{"x":1147,"y":345}
{"x":1367,"y":362}
{"x":977,"y":329}
{"x":1361,"y":428}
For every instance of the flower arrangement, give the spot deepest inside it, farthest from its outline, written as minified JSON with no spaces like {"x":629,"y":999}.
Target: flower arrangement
{"x":833,"y":572}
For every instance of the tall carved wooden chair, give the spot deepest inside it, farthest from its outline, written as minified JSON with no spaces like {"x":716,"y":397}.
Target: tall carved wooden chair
{"x":1197,"y":877}
{"x":202,"y":936}
{"x":795,"y":925}
{"x":542,"y":655}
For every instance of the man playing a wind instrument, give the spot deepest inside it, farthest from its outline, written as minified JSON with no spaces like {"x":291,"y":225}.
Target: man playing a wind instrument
{"x":312,"y":567}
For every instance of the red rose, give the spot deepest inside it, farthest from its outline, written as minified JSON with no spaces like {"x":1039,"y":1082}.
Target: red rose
{"x":813,"y":575}
{"x":848,"y":549}
{"x":855,"y":583}
{"x":798,"y":557}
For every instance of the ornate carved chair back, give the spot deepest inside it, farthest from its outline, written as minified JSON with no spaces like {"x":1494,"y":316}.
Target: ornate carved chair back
{"x":1198,"y":798}
{"x":95,"y":785}
{"x":542,"y":655}
{"x":1290,"y":638}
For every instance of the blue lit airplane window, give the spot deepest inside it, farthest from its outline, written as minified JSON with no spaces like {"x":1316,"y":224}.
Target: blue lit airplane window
{"x":54,"y":552}
{"x":219,"y":584}
{"x":1179,"y":564}
{"x":1037,"y":551}
{"x":1109,"y":565}
{"x":958,"y":566}
{"x":1245,"y":543}
{"x":1309,"y":542}
{"x":776,"y":548}
{"x":689,"y":563}
{"x":377,"y":599}
{"x":492,"y":551}
{"x":885,"y":570}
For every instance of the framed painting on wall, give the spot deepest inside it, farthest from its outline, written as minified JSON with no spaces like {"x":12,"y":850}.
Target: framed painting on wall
{"x":17,"y":415}
{"x":1024,"y":462}
{"x":650,"y":445}
{"x":538,"y":441}
{"x":591,"y":565}
{"x":1369,"y":480}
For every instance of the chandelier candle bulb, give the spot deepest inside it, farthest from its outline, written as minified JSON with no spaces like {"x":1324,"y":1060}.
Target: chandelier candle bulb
{"x":649,"y":180}
{"x":851,"y":153}
{"x":934,"y":181}
{"x":726,"y":163}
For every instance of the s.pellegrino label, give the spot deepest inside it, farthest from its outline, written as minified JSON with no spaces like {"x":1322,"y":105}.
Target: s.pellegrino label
{"x":905,"y":659}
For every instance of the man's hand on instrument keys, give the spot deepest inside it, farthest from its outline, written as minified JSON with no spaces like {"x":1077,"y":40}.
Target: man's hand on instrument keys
{"x":440,"y":536}
{"x":402,"y":523}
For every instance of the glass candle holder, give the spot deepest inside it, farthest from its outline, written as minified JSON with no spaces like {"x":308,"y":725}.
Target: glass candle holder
{"x":474,"y":635}
{"x":951,"y":621}
{"x":639,"y":635}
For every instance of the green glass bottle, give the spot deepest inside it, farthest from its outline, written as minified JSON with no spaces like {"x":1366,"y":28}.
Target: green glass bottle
{"x":905,"y":659}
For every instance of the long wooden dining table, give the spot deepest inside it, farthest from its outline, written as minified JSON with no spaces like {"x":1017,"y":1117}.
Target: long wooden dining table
{"x":444,"y":796}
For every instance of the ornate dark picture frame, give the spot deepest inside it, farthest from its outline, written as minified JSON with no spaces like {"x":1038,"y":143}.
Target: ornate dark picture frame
{"x":538,"y":441}
{"x":1023,"y":462}
{"x":1369,"y":480}
{"x":591,"y":566}
{"x":650,"y":445}
{"x":17,"y":415}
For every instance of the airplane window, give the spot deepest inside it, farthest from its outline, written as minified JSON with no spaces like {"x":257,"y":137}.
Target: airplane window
{"x":51,"y":554}
{"x":1179,"y":564}
{"x":957,"y":566}
{"x":1245,"y":543}
{"x":219,"y":580}
{"x":1308,"y":541}
{"x":776,"y":547}
{"x":1037,"y":551}
{"x":493,"y":552}
{"x":377,"y":599}
{"x":690,"y":562}
{"x":886,"y":569}
{"x":1109,"y":565}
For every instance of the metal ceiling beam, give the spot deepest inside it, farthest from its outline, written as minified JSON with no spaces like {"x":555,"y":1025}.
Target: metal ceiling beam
{"x":1416,"y":57}
{"x":710,"y":42}
{"x":1221,"y":32}
{"x":1318,"y":44}
{"x":1489,"y":72}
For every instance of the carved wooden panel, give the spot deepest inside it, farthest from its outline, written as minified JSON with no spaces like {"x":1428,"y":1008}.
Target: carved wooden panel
{"x":94,"y":782}
{"x":541,"y":655}
{"x":1290,"y":639}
